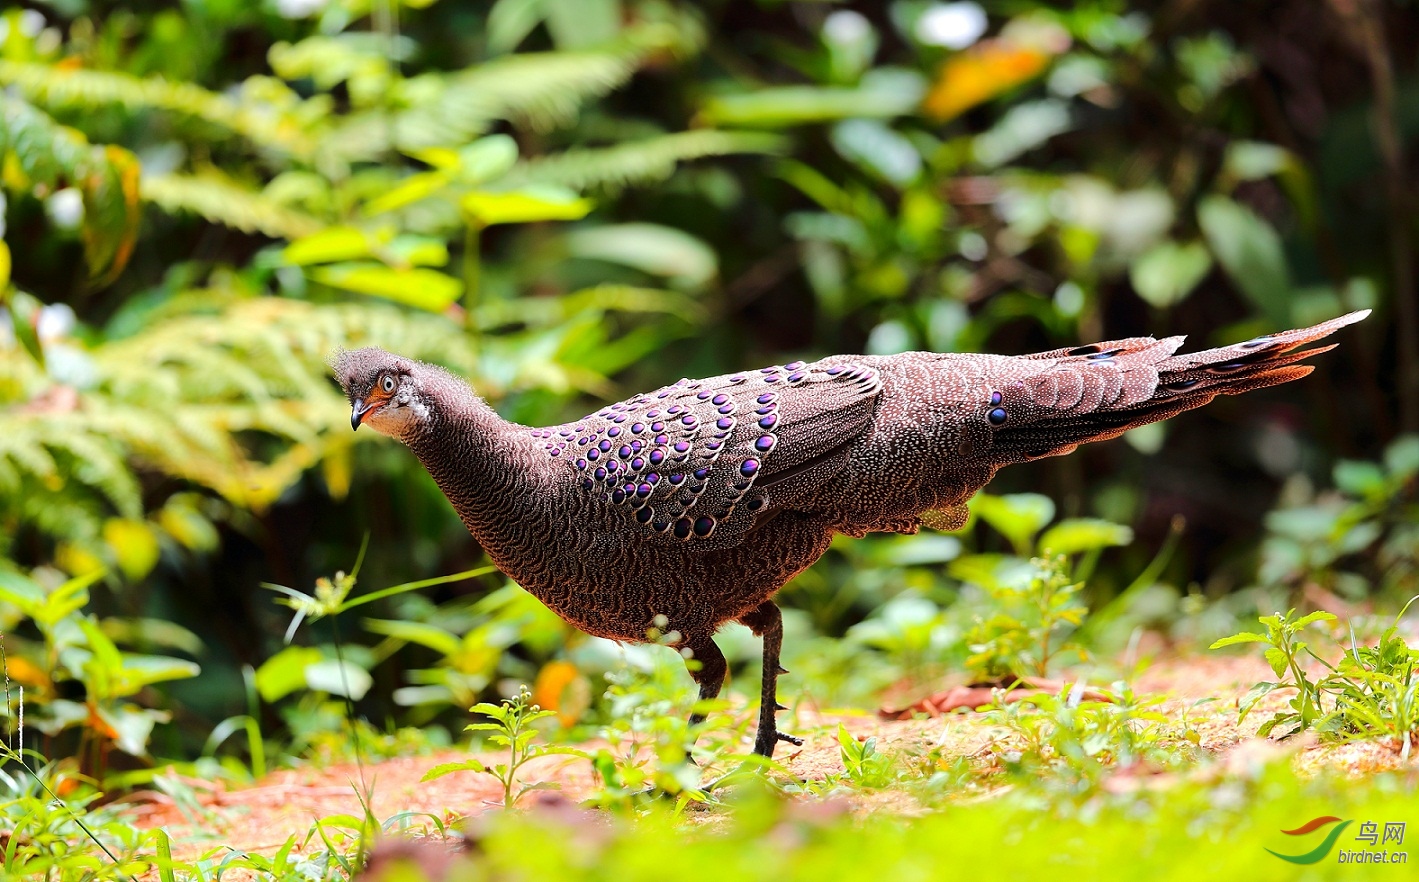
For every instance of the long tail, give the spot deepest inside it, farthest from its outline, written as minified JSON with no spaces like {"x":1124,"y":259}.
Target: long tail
{"x":1100,"y":391}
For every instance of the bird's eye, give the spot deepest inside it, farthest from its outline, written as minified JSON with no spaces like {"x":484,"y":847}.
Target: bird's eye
{"x":387,"y":384}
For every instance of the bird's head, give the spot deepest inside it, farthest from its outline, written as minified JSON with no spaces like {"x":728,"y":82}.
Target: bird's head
{"x":386,"y":392}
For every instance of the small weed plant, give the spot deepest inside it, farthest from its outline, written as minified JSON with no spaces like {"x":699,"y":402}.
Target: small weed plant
{"x":1371,"y":692}
{"x":513,"y":729}
{"x":863,"y":764}
{"x":1075,"y":739}
{"x":652,"y":747}
{"x":1031,"y":624}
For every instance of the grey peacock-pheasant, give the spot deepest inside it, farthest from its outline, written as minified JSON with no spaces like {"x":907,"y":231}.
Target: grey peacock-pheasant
{"x":690,"y":506}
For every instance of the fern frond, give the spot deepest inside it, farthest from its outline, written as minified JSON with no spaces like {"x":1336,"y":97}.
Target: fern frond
{"x":639,"y":162}
{"x":219,"y":199}
{"x":54,"y":450}
{"x":273,"y":117}
{"x":233,"y":397}
{"x":540,"y":89}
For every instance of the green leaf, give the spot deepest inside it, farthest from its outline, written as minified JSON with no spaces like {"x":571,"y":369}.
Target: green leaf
{"x":1073,"y":535}
{"x":338,"y":678}
{"x":164,"y":862}
{"x":422,"y":288}
{"x":483,"y":727}
{"x":650,"y":248}
{"x":135,"y":545}
{"x":1254,"y":160}
{"x":908,"y":551}
{"x":1250,"y":252}
{"x":1402,"y":457}
{"x":468,"y":765}
{"x":1319,"y":615}
{"x":132,"y":726}
{"x":106,"y":659}
{"x":1166,"y":273}
{"x":1266,"y":728}
{"x":47,"y":608}
{"x":139,"y":671}
{"x":876,"y":148}
{"x":529,"y":205}
{"x":408,"y":250}
{"x":882,"y":96}
{"x":1277,"y":659}
{"x":542,"y":88}
{"x":1244,"y":637}
{"x":486,"y":158}
{"x":328,"y":246}
{"x":510,"y":21}
{"x":421,"y":633}
{"x":24,"y":314}
{"x":284,"y":672}
{"x":578,"y":24}
{"x":1018,"y":516}
{"x":412,"y":189}
{"x":1362,"y":479}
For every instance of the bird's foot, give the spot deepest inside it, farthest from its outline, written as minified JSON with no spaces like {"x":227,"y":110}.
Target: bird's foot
{"x":768,"y":739}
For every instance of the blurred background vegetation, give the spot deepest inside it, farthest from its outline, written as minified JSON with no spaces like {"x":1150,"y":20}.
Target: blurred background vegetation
{"x":569,"y":201}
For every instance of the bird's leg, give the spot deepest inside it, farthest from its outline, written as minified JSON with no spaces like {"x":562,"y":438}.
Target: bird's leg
{"x":710,"y":674}
{"x":767,"y":622}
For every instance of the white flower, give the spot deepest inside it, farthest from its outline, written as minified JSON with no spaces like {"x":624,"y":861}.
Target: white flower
{"x":55,"y":321}
{"x":953,"y":25}
{"x":299,"y":8}
{"x":846,"y":27}
{"x":65,"y":208}
{"x":32,"y":21}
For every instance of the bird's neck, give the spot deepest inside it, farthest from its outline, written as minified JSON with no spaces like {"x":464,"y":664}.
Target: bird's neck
{"x":481,"y":462}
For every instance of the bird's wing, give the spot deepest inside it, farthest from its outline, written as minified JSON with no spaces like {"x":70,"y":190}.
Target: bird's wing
{"x":700,"y":461}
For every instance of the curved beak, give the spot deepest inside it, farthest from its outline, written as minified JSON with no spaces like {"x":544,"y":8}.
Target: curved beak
{"x":357,"y":413}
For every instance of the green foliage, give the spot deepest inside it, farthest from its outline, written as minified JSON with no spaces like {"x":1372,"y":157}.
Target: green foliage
{"x":48,"y":838}
{"x":996,"y":614}
{"x":75,"y":651}
{"x":652,"y":752}
{"x":1027,"y":631}
{"x":1360,"y":538}
{"x":1372,"y":692}
{"x":213,"y":196}
{"x":265,"y":113}
{"x":1071,"y":739}
{"x":863,"y":765}
{"x":511,"y":728}
{"x":43,"y":158}
{"x":1176,"y":832}
{"x":638,"y":162}
{"x":470,"y":641}
{"x":1283,"y":654}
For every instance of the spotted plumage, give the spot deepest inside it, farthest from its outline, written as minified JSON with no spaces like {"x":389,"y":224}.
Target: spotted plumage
{"x":690,"y":506}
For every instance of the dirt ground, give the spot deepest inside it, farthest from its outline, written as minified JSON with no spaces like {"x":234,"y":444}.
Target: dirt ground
{"x":261,"y":817}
